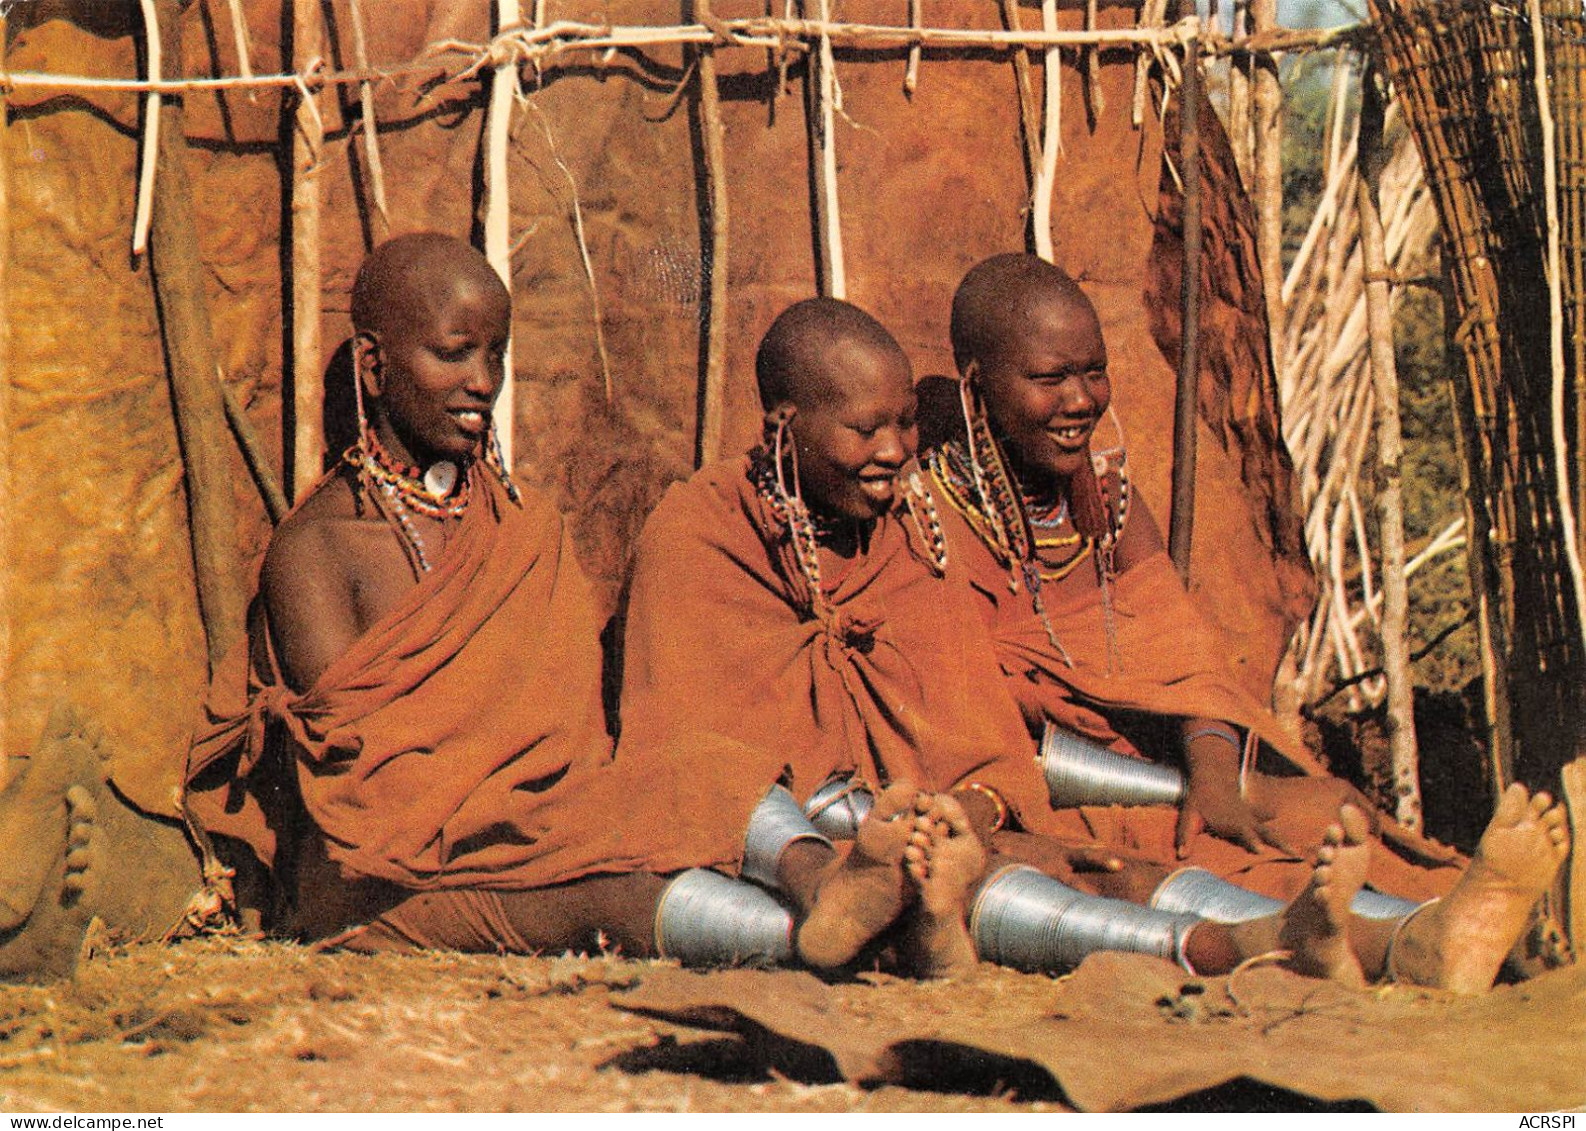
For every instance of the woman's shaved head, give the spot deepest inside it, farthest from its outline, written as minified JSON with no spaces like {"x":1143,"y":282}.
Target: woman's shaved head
{"x":792,"y":364}
{"x":400,"y":277}
{"x":999,"y":295}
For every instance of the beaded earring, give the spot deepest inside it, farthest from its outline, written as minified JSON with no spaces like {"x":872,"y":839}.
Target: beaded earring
{"x":790,"y":507}
{"x":1116,"y":458}
{"x":922,"y":510}
{"x":497,"y":462}
{"x":997,"y":496}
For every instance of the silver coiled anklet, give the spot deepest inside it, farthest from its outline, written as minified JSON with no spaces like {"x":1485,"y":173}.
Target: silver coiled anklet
{"x":837,"y":808}
{"x":1025,"y":919}
{"x":707,"y":919}
{"x":776,"y":822}
{"x":1196,"y":891}
{"x":1081,"y":772}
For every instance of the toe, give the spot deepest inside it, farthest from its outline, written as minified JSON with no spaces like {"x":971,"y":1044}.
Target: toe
{"x":1355,"y":826}
{"x":1511,"y":806}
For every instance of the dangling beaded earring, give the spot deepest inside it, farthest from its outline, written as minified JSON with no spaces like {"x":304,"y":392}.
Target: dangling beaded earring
{"x":496,"y":461}
{"x":922,"y":509}
{"x":998,"y":497}
{"x":1107,"y":545}
{"x":792,"y":510}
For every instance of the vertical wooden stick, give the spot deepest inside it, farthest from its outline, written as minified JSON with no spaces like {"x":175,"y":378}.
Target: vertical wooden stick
{"x":1479,"y":553}
{"x":1573,"y":780}
{"x":239,"y":32}
{"x":5,"y":419}
{"x":151,"y":132}
{"x":308,"y":137}
{"x":833,"y":278}
{"x":498,"y":209}
{"x":1402,"y":748}
{"x":1181,"y":523}
{"x":1239,"y":100}
{"x":1268,"y":107}
{"x":371,"y":127}
{"x":1029,"y":121}
{"x":179,"y":287}
{"x":1093,"y":92}
{"x":1568,"y":530}
{"x":911,"y":73}
{"x":713,"y":393}
{"x":1051,"y":138}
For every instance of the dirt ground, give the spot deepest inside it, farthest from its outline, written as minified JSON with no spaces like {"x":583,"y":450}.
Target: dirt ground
{"x":231,"y":1025}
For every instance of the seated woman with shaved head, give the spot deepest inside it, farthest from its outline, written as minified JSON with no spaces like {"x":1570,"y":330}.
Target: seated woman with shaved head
{"x":1103,"y":650}
{"x":411,"y":751}
{"x":792,"y":618}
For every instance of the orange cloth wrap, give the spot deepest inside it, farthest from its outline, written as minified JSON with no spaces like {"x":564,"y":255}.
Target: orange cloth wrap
{"x":459,"y":743}
{"x":898,"y":682}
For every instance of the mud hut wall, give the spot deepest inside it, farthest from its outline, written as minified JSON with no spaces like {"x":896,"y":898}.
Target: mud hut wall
{"x":101,"y":570}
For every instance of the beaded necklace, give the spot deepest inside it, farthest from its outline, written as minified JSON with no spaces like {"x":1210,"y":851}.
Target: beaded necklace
{"x":439,"y":492}
{"x":405,"y":490}
{"x":953,"y":466}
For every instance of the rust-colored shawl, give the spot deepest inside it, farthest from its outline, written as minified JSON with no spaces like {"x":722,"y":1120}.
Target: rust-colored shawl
{"x":456,"y":744}
{"x":1168,"y":664}
{"x":895,"y":680}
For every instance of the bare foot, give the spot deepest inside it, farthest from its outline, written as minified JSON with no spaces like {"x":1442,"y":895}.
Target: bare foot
{"x":946,"y":859}
{"x":33,"y":821}
{"x":864,"y":892}
{"x":1315,"y":927}
{"x":82,"y":815}
{"x":1460,"y":942}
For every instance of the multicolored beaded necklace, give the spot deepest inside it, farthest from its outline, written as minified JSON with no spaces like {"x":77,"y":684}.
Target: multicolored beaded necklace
{"x":443,"y":492}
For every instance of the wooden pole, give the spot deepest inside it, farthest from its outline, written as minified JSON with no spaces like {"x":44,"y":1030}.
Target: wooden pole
{"x":1029,"y":122}
{"x":1568,"y":531}
{"x":5,"y":419}
{"x":1402,"y":749}
{"x":1051,"y":138}
{"x":1240,"y":70}
{"x":1267,"y":105}
{"x":1181,"y":523}
{"x":713,"y":176}
{"x":179,"y":287}
{"x":832,"y":276}
{"x":153,"y":50}
{"x":308,"y":380}
{"x":371,"y":125}
{"x":498,"y":209}
{"x":1093,"y":92}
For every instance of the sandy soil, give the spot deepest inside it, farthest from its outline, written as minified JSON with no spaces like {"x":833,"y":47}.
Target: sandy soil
{"x":230,"y":1025}
{"x":227,"y":1024}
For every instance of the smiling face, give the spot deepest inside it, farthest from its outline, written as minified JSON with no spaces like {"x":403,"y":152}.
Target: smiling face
{"x":855,"y":428}
{"x":433,"y":363}
{"x":1045,"y":384}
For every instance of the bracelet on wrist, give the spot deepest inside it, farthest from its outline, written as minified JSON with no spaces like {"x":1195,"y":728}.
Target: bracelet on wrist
{"x":995,"y":798}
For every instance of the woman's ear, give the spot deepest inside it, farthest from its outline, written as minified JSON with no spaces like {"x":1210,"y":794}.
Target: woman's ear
{"x":368,"y":363}
{"x":779,"y":417}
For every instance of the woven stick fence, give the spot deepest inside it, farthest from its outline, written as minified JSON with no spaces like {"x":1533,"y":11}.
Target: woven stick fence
{"x":1479,"y":82}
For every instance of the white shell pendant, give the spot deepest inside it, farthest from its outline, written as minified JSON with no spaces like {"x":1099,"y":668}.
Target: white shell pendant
{"x":440,"y":477}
